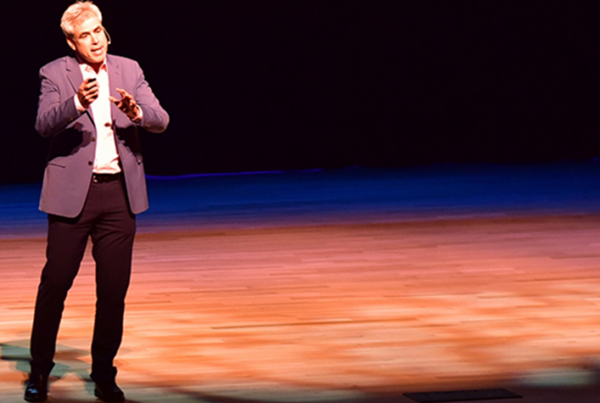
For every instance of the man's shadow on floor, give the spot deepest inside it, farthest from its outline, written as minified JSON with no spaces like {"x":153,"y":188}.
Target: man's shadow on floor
{"x":68,"y":361}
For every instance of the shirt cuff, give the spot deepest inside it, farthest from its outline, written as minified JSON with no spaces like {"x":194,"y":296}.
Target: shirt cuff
{"x":80,"y":108}
{"x":139,"y":116}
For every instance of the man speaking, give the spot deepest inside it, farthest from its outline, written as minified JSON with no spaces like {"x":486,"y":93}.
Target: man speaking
{"x":91,"y":105}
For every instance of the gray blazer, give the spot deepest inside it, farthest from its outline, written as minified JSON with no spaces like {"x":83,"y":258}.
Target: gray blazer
{"x":68,"y":171}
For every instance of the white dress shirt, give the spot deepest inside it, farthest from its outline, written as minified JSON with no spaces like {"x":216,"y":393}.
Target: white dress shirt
{"x":107,"y":157}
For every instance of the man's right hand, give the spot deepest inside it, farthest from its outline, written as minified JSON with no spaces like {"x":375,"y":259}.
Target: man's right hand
{"x":88,"y":92}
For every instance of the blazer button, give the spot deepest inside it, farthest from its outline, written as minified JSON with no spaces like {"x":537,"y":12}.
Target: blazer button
{"x":93,"y":139}
{"x":90,"y":163}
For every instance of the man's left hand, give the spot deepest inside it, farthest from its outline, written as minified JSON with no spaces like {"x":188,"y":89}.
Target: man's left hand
{"x":126,"y":104}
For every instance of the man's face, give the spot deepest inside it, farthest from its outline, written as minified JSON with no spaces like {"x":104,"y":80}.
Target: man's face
{"x":89,"y":39}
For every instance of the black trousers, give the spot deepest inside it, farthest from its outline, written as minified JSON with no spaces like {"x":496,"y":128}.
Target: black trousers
{"x":107,"y":219}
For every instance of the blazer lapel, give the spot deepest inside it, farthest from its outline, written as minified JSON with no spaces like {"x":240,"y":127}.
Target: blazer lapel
{"x":74,"y":73}
{"x":76,"y":78}
{"x":115,"y":80}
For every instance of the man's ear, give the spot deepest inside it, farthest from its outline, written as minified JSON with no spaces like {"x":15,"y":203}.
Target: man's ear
{"x":71,"y":43}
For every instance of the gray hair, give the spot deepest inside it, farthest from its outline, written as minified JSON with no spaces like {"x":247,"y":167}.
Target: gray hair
{"x":74,"y":11}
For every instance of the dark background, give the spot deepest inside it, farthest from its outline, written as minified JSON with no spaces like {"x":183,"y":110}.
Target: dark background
{"x":297,"y":84}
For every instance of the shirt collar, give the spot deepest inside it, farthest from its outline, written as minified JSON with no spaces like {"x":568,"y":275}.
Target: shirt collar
{"x":88,"y":68}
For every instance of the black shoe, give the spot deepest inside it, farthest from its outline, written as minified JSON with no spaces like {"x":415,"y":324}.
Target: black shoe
{"x":36,"y":388}
{"x":109,"y":392}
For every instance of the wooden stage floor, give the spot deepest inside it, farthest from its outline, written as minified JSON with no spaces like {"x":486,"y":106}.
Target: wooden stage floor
{"x":335,"y":286}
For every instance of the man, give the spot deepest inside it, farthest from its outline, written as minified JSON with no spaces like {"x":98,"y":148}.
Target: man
{"x":90,"y":105}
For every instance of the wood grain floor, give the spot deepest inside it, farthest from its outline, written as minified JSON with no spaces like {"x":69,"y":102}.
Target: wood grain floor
{"x":352,"y":311}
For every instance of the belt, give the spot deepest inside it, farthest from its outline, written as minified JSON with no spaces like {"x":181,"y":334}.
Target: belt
{"x":103,"y":178}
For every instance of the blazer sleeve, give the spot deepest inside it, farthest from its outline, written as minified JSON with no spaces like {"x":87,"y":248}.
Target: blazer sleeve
{"x":55,"y":110}
{"x":155,"y":119}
